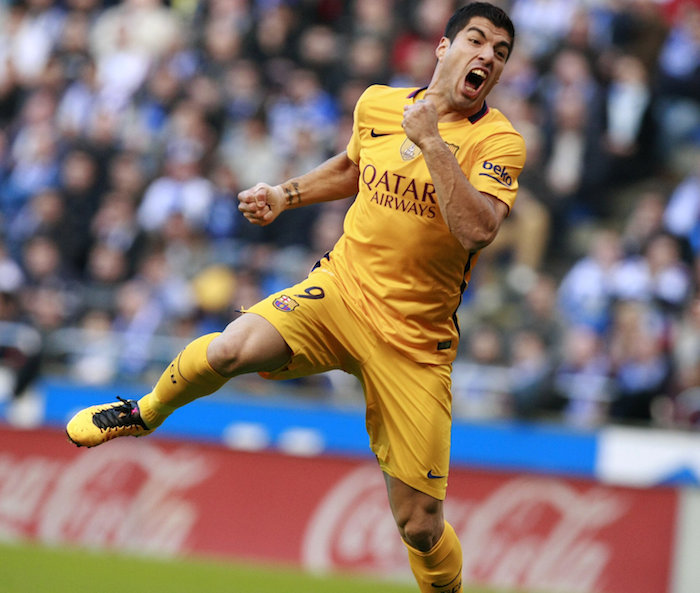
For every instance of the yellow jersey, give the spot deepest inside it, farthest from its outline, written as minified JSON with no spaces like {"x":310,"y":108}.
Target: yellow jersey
{"x":397,"y":262}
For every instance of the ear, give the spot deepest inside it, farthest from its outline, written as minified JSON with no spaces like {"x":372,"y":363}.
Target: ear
{"x":442,"y":47}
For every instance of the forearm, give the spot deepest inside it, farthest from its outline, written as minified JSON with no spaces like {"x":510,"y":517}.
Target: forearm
{"x":335,"y":179}
{"x":472,"y":217}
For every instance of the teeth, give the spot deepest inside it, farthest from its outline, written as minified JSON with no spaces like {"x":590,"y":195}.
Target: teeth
{"x":476,"y":77}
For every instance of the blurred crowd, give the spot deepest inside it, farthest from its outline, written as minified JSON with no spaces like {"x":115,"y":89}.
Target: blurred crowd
{"x":127,"y":129}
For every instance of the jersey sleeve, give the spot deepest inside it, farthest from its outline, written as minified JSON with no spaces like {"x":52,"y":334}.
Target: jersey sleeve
{"x":364,"y":108}
{"x":498,"y":161}
{"x":353,"y":148}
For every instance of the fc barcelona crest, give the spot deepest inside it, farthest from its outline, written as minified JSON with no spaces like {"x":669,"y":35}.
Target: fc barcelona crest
{"x":285,"y":303}
{"x":409,"y":150}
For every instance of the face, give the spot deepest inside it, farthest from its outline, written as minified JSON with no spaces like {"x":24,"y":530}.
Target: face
{"x":470,"y":66}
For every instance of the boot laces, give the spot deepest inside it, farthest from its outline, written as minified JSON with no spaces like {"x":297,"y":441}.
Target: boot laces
{"x":119,"y":416}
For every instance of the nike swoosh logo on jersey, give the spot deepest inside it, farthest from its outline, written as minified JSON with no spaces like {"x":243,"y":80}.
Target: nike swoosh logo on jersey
{"x":432,"y":476}
{"x":378,"y":134}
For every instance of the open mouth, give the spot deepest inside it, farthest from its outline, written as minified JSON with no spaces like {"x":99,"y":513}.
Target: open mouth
{"x":475,"y":79}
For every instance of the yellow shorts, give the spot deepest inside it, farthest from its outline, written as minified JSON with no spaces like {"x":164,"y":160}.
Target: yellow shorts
{"x":408,"y":415}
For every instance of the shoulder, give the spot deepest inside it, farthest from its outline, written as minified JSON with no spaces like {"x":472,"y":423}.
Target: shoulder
{"x":381,"y":94}
{"x":496,"y":123}
{"x":496,"y":130}
{"x":382,"y":106}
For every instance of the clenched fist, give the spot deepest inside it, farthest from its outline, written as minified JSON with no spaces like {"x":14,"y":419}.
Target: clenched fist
{"x":262,"y":203}
{"x":420,"y":121}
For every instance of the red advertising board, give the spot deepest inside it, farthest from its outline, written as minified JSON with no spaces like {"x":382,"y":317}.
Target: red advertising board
{"x":323,"y":513}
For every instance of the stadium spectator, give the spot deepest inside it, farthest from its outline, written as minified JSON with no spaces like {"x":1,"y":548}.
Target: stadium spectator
{"x":374,"y":18}
{"x":530,"y":372}
{"x":30,"y":30}
{"x":641,"y":366}
{"x":574,"y":162}
{"x":11,"y":275}
{"x":271,"y":39}
{"x":251,"y":152}
{"x":222,"y":47}
{"x":115,"y":226}
{"x":678,"y":84}
{"x":79,"y":102}
{"x":181,"y":190}
{"x":303,"y":104}
{"x":629,"y":125}
{"x":126,"y":174}
{"x":523,"y":239}
{"x":92,"y":360}
{"x":126,"y":40}
{"x":43,"y":264}
{"x":682,"y":214}
{"x":638,"y":29}
{"x":42,"y":215}
{"x":137,"y":318}
{"x":644,"y":220}
{"x":582,"y":378}
{"x":72,"y":49}
{"x":106,"y":268}
{"x":34,"y":155}
{"x":80,"y":186}
{"x":587,"y":289}
{"x":21,"y":353}
{"x":659,"y":275}
{"x":538,"y":312}
{"x":320,"y":51}
{"x":481,"y":381}
{"x":544,"y":23}
{"x":685,"y":346}
{"x":244,"y":92}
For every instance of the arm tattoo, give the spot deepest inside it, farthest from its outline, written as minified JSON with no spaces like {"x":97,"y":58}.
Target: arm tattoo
{"x":293,"y":194}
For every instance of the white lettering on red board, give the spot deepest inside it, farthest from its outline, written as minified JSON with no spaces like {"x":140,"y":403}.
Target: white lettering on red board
{"x":537,"y":533}
{"x":124,"y":496}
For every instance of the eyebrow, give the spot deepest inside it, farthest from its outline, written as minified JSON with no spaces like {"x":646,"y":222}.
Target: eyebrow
{"x":499,"y":44}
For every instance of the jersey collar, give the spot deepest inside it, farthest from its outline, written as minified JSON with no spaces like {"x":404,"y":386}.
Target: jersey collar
{"x":479,"y":114}
{"x":414,"y":94}
{"x":472,"y":118}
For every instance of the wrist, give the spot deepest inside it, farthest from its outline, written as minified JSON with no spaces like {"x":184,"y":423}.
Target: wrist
{"x":278,"y":196}
{"x":431,"y":143}
{"x":291,"y":194}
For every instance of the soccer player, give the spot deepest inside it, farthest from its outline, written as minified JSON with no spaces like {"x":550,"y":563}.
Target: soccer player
{"x":435,"y":172}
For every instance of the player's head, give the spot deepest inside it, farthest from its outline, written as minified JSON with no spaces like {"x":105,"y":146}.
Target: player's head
{"x":460,"y":19}
{"x":471,"y":56}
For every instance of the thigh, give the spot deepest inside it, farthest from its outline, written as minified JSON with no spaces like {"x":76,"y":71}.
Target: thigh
{"x":248,"y":344}
{"x":317,"y":325}
{"x":409,"y":418}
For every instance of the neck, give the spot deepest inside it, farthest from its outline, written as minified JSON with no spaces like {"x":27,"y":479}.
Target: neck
{"x":446,"y":112}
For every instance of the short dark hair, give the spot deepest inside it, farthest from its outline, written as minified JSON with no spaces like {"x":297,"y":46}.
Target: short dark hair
{"x":487,"y":10}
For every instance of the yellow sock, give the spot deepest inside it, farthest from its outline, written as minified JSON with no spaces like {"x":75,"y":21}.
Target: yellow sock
{"x":440,"y":569}
{"x":188,"y":377}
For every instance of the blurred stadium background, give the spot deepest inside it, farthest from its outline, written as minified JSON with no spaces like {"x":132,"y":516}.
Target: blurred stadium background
{"x":126,"y":130}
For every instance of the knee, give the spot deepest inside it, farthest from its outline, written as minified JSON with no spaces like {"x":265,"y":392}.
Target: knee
{"x":249,"y":344}
{"x":225,"y":354}
{"x":421,"y":527}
